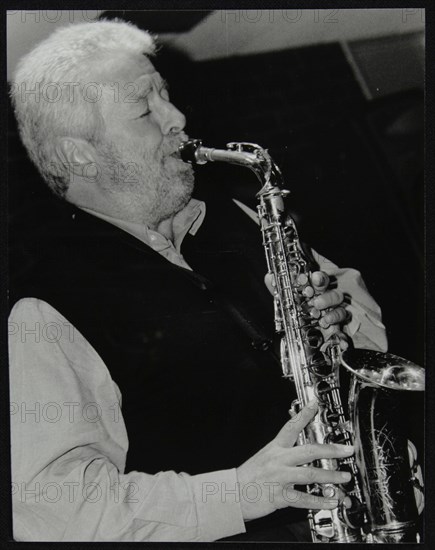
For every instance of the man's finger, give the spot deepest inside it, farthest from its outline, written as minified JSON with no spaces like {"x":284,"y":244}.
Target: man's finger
{"x":309,"y":475}
{"x":334,"y":317}
{"x":298,"y":499}
{"x":320,"y":281}
{"x":305,"y":454}
{"x":330,"y":298}
{"x":288,"y":434}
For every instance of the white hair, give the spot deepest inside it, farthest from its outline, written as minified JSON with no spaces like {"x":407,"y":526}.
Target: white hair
{"x":53,"y":94}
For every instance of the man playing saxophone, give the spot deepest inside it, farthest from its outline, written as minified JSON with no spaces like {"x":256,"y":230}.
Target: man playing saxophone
{"x":151,"y":382}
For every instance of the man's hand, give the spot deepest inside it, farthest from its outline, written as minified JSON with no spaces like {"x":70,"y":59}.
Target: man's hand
{"x":326,"y":305}
{"x":325,"y":299}
{"x":266,"y":480}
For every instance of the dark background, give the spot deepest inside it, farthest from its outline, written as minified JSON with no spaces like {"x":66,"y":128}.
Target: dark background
{"x":356,"y":180}
{"x":355,"y":167}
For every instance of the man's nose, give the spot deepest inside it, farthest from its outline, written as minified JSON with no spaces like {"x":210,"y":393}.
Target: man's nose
{"x":172,"y":121}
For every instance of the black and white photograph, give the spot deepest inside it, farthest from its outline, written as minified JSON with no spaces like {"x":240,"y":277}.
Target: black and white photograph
{"x":216,"y":275}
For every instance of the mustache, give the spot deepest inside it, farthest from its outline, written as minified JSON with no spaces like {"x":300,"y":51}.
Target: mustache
{"x":172,"y":143}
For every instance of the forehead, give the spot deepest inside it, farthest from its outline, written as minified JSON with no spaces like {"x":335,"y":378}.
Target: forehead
{"x":123,"y":67}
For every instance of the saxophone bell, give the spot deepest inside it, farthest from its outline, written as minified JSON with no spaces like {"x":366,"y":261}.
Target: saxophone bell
{"x":379,"y":384}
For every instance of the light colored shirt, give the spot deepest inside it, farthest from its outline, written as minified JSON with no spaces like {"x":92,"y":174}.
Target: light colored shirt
{"x":69,"y":447}
{"x":69,"y":440}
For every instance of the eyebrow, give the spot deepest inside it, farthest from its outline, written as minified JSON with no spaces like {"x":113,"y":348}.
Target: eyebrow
{"x":145,"y":89}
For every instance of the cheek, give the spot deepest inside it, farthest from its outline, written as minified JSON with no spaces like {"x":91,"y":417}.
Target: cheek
{"x":149,"y":135}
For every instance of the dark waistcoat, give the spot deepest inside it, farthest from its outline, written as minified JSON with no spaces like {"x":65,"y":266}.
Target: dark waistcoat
{"x":190,"y":351}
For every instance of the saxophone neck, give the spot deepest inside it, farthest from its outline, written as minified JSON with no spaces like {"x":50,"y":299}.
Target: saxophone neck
{"x":249,"y":155}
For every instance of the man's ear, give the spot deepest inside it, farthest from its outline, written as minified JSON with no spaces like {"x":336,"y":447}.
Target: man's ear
{"x":75,"y":153}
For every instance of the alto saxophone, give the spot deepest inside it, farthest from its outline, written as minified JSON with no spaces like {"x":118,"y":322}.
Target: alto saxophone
{"x":378,"y":504}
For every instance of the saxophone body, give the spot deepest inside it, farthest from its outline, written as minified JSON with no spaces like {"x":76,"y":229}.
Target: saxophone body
{"x":378,"y":504}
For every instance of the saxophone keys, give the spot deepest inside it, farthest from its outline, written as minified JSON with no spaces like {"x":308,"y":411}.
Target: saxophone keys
{"x":353,"y":513}
{"x":331,"y":418}
{"x":314,"y":339}
{"x":322,"y":526}
{"x":308,"y":292}
{"x":304,"y":286}
{"x":302,"y":279}
{"x":315,"y":313}
{"x":320,"y":367}
{"x":329,"y":491}
{"x":323,"y":388}
{"x":348,"y":486}
{"x":295,"y":408}
{"x":285,"y":360}
{"x":338,"y":436}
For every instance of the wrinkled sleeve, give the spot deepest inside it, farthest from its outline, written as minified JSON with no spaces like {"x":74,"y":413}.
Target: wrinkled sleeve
{"x":365,"y":327}
{"x":69,"y":445}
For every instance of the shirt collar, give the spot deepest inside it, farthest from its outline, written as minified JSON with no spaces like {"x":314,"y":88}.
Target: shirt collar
{"x":188,"y":220}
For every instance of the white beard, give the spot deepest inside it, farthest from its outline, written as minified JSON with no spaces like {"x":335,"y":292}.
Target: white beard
{"x":153,"y":188}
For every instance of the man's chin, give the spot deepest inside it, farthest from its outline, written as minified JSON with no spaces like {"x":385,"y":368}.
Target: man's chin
{"x":189,"y":186}
{"x":186,"y":180}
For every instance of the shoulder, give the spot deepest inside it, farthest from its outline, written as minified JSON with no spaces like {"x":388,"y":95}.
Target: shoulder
{"x":41,"y":334}
{"x":33,"y":308}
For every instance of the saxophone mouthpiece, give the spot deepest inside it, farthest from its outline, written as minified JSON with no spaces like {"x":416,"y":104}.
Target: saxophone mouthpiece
{"x":188,"y":151}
